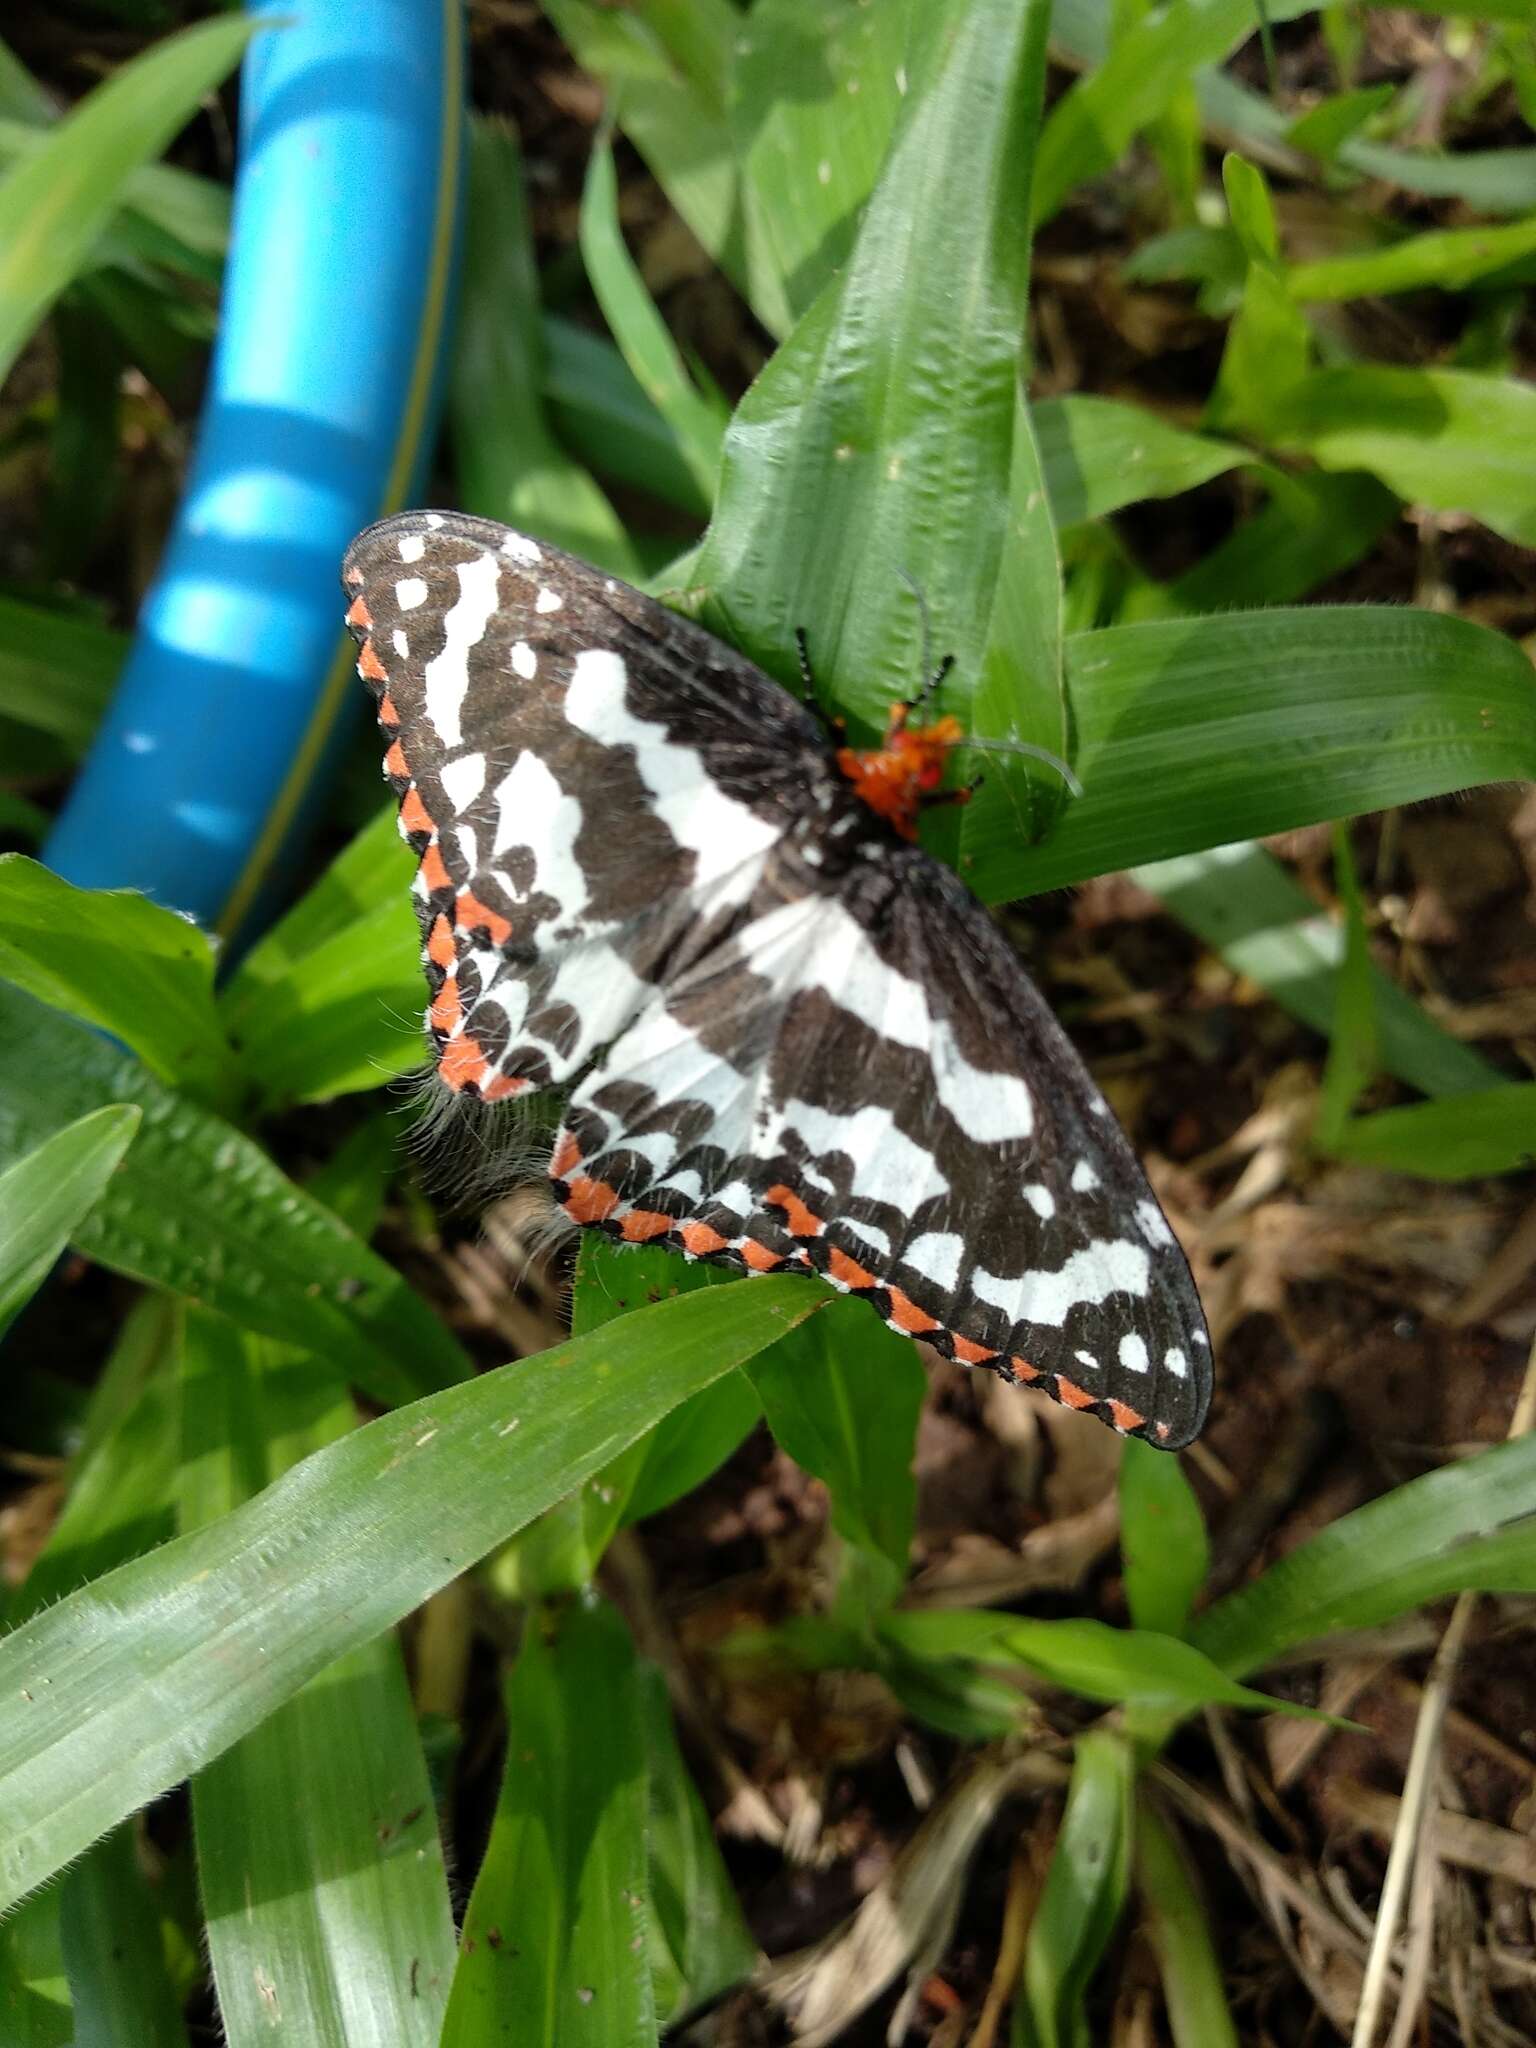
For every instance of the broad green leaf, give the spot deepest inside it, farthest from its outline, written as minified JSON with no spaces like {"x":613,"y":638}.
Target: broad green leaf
{"x":1173,"y":1918}
{"x":201,"y":1209}
{"x":1245,"y":905}
{"x":879,"y":437}
{"x":56,"y":671}
{"x":1100,"y":454}
{"x":44,"y":1194}
{"x":320,"y":1865}
{"x":638,"y":328}
{"x":1454,"y":440}
{"x":1140,"y":78}
{"x":1447,"y":260}
{"x":1492,"y":1131}
{"x":1087,"y":1657}
{"x":605,"y":418}
{"x":121,"y":1498}
{"x":1468,"y":1526}
{"x":844,"y":1403}
{"x":1162,"y":1539}
{"x":509,"y":465}
{"x":34,"y":1995}
{"x":56,"y":201}
{"x":1321,"y":129}
{"x":556,"y":1933}
{"x":1085,"y":1890}
{"x":120,"y":1990}
{"x":1353,"y":1054}
{"x":115,"y":959}
{"x":815,"y":95}
{"x":693,"y":1441}
{"x":675,"y":122}
{"x":126,"y":1686}
{"x":1312,"y":527}
{"x":700,"y":1943}
{"x":1264,"y":721}
{"x":1269,"y":344}
{"x":330,"y":1000}
{"x":1019,"y":695}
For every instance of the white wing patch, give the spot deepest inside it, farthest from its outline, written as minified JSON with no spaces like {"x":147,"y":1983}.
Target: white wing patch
{"x":445,"y":678}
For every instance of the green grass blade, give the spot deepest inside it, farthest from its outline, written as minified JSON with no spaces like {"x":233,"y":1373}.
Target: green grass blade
{"x":129,"y":1684}
{"x":1454,"y":440}
{"x":1162,"y":1540}
{"x":1100,"y":454}
{"x":1492,"y":1131}
{"x":1084,"y":1893}
{"x":1469,"y":1526}
{"x":115,"y":959}
{"x":198,"y":1208}
{"x":1354,"y":1056}
{"x":1447,"y":260}
{"x":120,"y":1989}
{"x":556,"y":1933}
{"x":700,"y":1943}
{"x":681,"y":132}
{"x":510,"y":467}
{"x":602,"y":414}
{"x":1264,"y":721}
{"x":1242,"y":902}
{"x":1313,"y":527}
{"x":1115,"y":1665}
{"x":56,"y":672}
{"x":638,"y":328}
{"x":320,"y":1865}
{"x":330,"y":1000}
{"x":844,"y":1403}
{"x":1175,"y":1923}
{"x":55,"y":202}
{"x":44,"y":1195}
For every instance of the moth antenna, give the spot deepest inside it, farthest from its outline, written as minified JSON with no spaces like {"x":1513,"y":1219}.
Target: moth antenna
{"x":933,"y":674}
{"x":1028,"y":748}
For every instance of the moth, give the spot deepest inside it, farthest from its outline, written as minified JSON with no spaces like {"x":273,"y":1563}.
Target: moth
{"x":792,"y":1039}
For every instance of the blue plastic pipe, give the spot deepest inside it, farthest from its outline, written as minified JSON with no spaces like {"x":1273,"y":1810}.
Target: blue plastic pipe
{"x":319,"y":415}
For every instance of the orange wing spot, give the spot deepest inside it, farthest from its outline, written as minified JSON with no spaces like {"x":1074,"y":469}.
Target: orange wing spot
{"x":435,"y":873}
{"x":1023,"y":1369}
{"x":590,"y":1201}
{"x":358,"y":614}
{"x":388,"y":715}
{"x":800,"y":1220}
{"x":1073,"y":1395}
{"x":703,"y":1242}
{"x":470,"y":912}
{"x":440,"y":949}
{"x":369,"y":666}
{"x":446,"y":1010}
{"x":413,"y":812}
{"x":1124,"y":1418}
{"x":906,"y":1315}
{"x":848,"y":1272}
{"x":394,"y":762}
{"x":463,"y":1061}
{"x":758,"y":1256}
{"x":567,"y":1157}
{"x":641,"y":1225}
{"x":500,"y":1086}
{"x":972,"y":1354}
